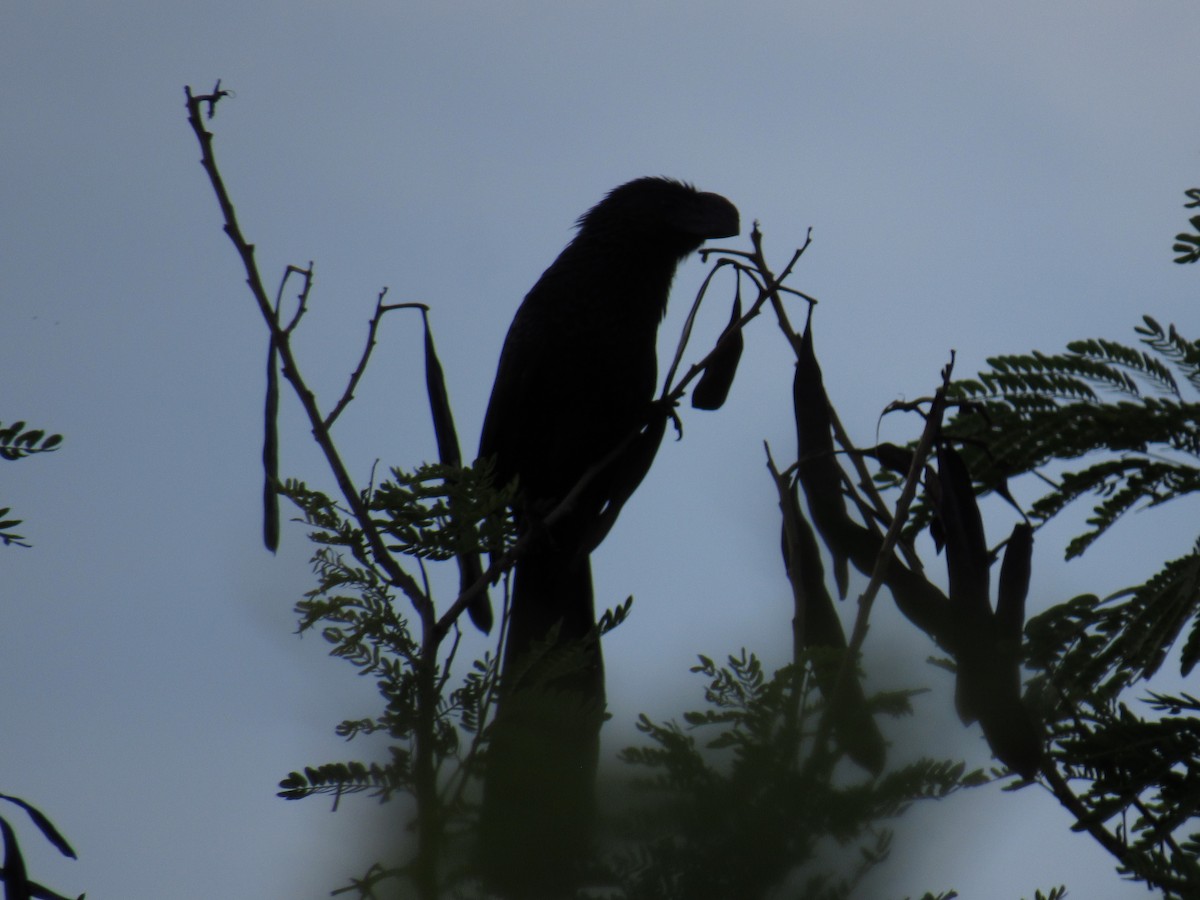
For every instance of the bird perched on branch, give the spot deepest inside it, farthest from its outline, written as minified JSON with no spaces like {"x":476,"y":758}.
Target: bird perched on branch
{"x":571,"y":415}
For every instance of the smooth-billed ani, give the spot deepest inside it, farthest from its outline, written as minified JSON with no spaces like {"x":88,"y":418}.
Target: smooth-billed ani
{"x":576,"y":381}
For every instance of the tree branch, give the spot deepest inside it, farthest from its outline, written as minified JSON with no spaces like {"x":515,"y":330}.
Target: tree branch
{"x":396,"y":575}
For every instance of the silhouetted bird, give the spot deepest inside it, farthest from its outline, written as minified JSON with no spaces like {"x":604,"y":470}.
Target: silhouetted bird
{"x":576,"y":381}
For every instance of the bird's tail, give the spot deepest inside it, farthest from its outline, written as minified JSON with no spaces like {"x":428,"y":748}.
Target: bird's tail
{"x":543,"y":746}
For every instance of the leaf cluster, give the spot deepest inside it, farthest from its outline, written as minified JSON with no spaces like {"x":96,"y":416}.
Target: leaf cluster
{"x":734,"y":802}
{"x":1139,"y":771}
{"x":424,"y":512}
{"x":428,"y":514}
{"x":1122,"y":424}
{"x":381,"y":781}
{"x":1138,"y":768}
{"x":1118,"y":423}
{"x":18,"y":441}
{"x":1187,"y":244}
{"x":1119,"y":413}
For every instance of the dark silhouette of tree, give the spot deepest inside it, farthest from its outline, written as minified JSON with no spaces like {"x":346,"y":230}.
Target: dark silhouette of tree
{"x":572,"y":398}
{"x":740,"y":796}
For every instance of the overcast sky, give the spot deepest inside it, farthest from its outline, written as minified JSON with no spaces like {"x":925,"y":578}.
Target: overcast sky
{"x":980,"y":177}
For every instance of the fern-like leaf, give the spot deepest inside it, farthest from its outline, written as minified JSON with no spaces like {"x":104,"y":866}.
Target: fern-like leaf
{"x":1183,"y":354}
{"x":17,"y":441}
{"x":381,"y":781}
{"x":1100,"y":397}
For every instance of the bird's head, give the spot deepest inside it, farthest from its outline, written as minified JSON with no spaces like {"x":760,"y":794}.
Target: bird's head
{"x":661,"y":212}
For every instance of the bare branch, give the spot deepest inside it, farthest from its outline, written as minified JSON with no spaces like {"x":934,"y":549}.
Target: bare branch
{"x":933,"y":425}
{"x":356,"y":375}
{"x":302,"y":297}
{"x":350,"y":493}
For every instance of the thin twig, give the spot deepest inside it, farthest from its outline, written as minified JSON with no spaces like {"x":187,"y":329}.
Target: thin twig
{"x":302,"y":297}
{"x":876,"y":510}
{"x":933,"y":426}
{"x":357,"y":374}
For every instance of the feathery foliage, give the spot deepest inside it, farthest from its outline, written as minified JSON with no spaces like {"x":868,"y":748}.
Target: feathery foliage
{"x":1120,"y":424}
{"x":356,"y":609}
{"x":1187,"y":244}
{"x":1116,"y":414}
{"x":18,"y":441}
{"x":735,"y":802}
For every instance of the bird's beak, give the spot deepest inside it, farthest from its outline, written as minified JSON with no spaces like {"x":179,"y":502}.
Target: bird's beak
{"x":715,"y":217}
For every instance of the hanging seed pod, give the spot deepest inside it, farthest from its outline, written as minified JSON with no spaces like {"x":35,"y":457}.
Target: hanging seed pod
{"x":714,"y":384}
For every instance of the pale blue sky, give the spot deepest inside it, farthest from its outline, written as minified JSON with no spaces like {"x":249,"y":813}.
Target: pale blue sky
{"x":980,"y":178}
